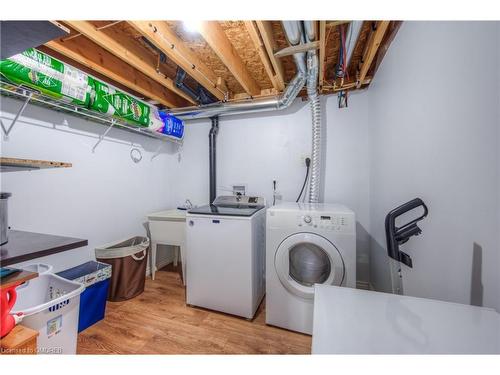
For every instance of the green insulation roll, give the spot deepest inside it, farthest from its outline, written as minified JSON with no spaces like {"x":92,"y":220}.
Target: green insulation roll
{"x":48,"y":75}
{"x":116,"y":103}
{"x":61,"y":81}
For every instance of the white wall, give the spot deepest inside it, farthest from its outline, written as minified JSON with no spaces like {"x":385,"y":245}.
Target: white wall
{"x":257,"y":149}
{"x":498,"y":119}
{"x":428,"y":126}
{"x":104,"y":197}
{"x":435,"y":135}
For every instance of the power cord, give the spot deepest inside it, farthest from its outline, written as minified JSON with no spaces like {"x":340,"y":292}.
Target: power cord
{"x":274,"y":192}
{"x":308,"y":163}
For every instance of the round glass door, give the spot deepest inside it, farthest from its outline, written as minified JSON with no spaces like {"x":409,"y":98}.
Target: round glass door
{"x":305,"y":259}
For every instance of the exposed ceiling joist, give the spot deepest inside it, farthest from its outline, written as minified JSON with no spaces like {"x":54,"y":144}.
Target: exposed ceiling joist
{"x":389,"y":36}
{"x":158,"y":33}
{"x":101,"y":61}
{"x":216,"y":38}
{"x":222,"y":84}
{"x":266,"y":32}
{"x":349,"y":85}
{"x":121,"y":51}
{"x":371,"y":49}
{"x":322,"y":53}
{"x":336,"y":23}
{"x":304,"y":47}
{"x":254,"y":33}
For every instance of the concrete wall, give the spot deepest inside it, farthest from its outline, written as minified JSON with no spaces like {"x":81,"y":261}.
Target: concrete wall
{"x":104,"y":197}
{"x":257,"y":149}
{"x":435,"y":135}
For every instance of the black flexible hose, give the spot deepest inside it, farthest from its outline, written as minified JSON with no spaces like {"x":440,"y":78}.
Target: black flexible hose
{"x":308,"y":163}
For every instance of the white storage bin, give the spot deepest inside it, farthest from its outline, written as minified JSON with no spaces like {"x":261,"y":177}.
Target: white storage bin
{"x":50,"y":305}
{"x":39,"y":268}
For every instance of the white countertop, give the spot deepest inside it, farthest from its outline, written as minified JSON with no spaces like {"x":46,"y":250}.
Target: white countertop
{"x":353,"y":321}
{"x":168,"y":215}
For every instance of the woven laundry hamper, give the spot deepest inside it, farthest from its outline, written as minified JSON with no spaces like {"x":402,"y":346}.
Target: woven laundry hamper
{"x":128,"y":259}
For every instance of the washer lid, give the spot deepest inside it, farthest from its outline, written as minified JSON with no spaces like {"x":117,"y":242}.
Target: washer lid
{"x":305,"y":259}
{"x":226,"y":210}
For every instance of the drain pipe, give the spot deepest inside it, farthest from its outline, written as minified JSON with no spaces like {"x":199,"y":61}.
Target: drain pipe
{"x":315,"y":103}
{"x":280,"y":102}
{"x":212,"y":137}
{"x":200,"y":96}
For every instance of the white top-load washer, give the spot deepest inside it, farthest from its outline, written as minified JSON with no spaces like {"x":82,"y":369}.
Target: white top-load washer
{"x":225,"y":244}
{"x":306,"y":244}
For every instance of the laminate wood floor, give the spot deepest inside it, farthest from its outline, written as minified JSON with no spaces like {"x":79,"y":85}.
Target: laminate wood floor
{"x":159,"y":322}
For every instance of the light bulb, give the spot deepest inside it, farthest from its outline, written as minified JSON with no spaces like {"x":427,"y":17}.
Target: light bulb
{"x":192,"y":26}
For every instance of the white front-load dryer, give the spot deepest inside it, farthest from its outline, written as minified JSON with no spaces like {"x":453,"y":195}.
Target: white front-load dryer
{"x":306,"y":244}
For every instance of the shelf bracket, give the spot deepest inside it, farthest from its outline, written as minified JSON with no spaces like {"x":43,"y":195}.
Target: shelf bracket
{"x":5,"y":130}
{"x":101,"y":137}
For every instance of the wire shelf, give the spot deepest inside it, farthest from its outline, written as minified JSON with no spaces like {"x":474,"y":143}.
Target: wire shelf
{"x":28,"y":94}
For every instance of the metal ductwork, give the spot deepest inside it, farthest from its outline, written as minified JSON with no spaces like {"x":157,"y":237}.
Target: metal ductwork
{"x":352,"y":38}
{"x":296,"y":32}
{"x":310,"y":31}
{"x":315,"y":103}
{"x":293,"y":32}
{"x":212,"y":156}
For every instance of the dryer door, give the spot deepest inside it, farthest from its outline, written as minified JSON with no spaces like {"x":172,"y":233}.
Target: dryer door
{"x":305,"y":259}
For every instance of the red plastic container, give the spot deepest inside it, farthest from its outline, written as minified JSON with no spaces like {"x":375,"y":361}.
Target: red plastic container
{"x":8,"y":298}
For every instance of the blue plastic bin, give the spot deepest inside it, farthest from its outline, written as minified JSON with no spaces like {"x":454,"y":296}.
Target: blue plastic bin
{"x":95,"y":276}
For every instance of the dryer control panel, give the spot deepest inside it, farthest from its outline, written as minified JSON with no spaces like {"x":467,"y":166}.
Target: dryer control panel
{"x":322,"y":221}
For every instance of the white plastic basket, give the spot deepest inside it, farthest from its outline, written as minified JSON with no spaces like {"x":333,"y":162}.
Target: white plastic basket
{"x":50,"y":305}
{"x":39,"y":268}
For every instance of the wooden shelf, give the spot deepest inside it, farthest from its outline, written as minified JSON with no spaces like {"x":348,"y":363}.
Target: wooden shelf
{"x":21,"y":340}
{"x":23,"y":246}
{"x":14,"y":164}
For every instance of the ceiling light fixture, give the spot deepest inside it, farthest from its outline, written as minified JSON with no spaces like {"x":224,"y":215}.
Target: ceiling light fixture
{"x":192,"y":26}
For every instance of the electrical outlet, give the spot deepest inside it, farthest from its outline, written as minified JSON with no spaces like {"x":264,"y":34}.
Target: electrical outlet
{"x":303,"y":158}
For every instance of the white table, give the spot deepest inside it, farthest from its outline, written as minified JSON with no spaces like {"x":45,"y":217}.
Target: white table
{"x":351,"y":321}
{"x":168,"y":228}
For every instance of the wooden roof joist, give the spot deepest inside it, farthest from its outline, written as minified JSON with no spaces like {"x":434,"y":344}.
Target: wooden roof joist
{"x":229,"y":59}
{"x":158,"y":33}
{"x":322,"y":53}
{"x":87,"y":53}
{"x":214,"y":35}
{"x":371,"y":48}
{"x":276,"y":79}
{"x":288,"y":51}
{"x":120,"y":50}
{"x":266,"y":33}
